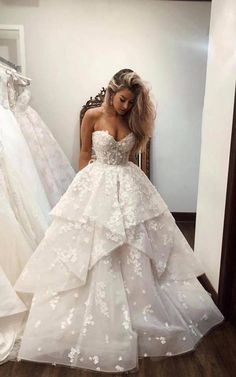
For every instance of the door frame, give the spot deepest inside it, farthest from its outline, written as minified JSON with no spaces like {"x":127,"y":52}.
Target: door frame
{"x":227,"y":276}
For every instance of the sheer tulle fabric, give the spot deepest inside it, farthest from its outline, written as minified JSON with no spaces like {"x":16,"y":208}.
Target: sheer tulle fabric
{"x":53,"y":166}
{"x":22,"y":226}
{"x":113,"y":279}
{"x":18,"y":153}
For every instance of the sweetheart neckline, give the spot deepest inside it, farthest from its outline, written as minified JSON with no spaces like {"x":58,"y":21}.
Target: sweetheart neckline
{"x":116,"y":141}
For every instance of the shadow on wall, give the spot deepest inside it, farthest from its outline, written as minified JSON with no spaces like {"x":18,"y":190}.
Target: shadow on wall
{"x":76,"y":145}
{"x":21,"y":3}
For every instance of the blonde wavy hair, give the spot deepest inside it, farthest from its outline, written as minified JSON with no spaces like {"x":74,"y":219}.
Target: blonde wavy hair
{"x":141,"y":116}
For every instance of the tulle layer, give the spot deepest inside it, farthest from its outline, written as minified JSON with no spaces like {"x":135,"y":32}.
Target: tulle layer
{"x":122,"y":312}
{"x":16,"y":198}
{"x":52,"y":165}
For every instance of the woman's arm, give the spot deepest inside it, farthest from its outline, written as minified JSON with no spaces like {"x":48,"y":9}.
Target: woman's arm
{"x":86,"y":138}
{"x":132,"y":156}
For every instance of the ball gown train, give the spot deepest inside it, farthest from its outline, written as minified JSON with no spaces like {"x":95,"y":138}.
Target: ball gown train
{"x":113,"y":279}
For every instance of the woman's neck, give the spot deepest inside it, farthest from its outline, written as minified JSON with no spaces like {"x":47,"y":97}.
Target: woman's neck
{"x":110,"y":112}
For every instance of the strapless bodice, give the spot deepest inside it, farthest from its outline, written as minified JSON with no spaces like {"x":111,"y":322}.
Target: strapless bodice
{"x":110,"y":151}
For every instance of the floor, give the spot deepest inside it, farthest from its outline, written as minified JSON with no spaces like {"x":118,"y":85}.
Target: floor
{"x":188,"y":229}
{"x":214,"y":356}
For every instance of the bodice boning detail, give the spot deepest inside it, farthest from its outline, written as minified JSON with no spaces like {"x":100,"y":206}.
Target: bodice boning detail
{"x":110,"y":151}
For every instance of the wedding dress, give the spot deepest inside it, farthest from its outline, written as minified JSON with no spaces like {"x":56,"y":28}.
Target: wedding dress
{"x":22,"y":226}
{"x":23,"y":220}
{"x":15,"y":250}
{"x":114,"y":279}
{"x":18,"y":153}
{"x":12,"y":311}
{"x":53,"y":166}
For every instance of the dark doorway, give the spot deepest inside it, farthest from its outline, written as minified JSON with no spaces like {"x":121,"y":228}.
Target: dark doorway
{"x":227,"y":282}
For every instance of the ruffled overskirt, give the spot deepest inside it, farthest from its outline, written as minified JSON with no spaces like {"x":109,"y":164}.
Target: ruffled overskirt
{"x":114,"y":278}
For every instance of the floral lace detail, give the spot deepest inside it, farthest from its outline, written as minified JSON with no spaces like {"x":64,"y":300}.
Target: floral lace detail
{"x":4,"y":78}
{"x":147,"y":310}
{"x":72,"y":354}
{"x":127,"y":321}
{"x":100,"y":296}
{"x":109,"y":151}
{"x":88,"y":320}
{"x":134,"y":257}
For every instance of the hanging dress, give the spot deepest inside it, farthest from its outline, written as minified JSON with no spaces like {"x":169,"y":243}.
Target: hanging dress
{"x":21,"y":173}
{"x":23,"y":221}
{"x":53,"y":166}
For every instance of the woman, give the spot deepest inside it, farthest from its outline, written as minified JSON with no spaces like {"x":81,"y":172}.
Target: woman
{"x":127,"y":107}
{"x":114,"y":279}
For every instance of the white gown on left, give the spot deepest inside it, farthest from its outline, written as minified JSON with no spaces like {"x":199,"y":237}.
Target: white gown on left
{"x":53,"y":166}
{"x":21,"y":228}
{"x":20,"y":166}
{"x":24,"y":218}
{"x":12,"y":312}
{"x":22,"y":225}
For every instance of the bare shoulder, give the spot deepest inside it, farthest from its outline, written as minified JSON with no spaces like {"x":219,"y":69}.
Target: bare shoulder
{"x":87,"y":126}
{"x":89,"y":119}
{"x":93,"y":113}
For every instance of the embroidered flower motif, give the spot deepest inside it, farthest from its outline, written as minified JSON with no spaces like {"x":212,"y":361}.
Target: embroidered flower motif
{"x":127,"y":321}
{"x":146,"y":310}
{"x":100,"y":296}
{"x":73,"y":352}
{"x":134,"y":258}
{"x":54,"y":301}
{"x":68,"y":321}
{"x":162,"y":339}
{"x":88,"y":320}
{"x":95,"y":359}
{"x":119,"y":368}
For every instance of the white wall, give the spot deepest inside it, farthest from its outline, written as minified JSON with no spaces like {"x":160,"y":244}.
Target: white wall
{"x":73,"y":48}
{"x":216,"y":137}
